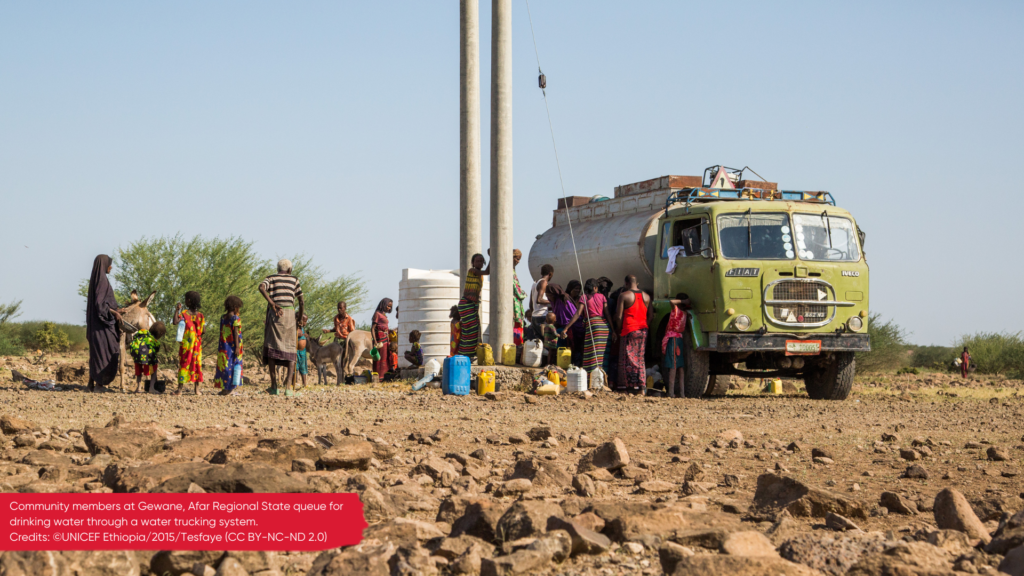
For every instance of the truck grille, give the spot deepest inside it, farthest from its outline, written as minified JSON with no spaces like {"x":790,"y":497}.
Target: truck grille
{"x":805,"y":312}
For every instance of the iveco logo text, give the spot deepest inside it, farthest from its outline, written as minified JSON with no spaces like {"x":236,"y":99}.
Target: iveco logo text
{"x":853,"y":273}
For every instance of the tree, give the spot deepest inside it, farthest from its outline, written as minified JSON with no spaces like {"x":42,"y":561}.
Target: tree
{"x":218,"y":268}
{"x":10,"y":344}
{"x":9,"y":312}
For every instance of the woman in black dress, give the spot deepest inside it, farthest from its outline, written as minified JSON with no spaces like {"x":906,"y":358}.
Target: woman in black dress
{"x":102,"y":327}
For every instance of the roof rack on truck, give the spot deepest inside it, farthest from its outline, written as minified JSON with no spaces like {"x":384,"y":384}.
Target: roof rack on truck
{"x":691,"y":195}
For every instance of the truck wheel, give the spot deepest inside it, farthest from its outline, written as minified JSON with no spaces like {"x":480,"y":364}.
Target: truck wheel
{"x":717,"y":387}
{"x":834,"y":380}
{"x":697,"y":365}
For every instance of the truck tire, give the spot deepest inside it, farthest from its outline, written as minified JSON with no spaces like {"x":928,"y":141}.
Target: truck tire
{"x":834,"y":380}
{"x":697,"y":365}
{"x":717,"y":387}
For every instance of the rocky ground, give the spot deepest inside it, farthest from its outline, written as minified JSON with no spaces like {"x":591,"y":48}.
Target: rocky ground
{"x":911,"y":475}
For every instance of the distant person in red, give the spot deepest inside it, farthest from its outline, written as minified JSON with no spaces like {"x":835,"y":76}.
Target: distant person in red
{"x":965,"y":362}
{"x":631,"y":317}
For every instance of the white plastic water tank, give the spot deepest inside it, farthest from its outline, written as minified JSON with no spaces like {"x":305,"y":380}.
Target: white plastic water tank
{"x":425,"y":298}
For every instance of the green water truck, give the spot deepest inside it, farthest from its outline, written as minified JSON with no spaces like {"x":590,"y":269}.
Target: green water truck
{"x":777,"y":279}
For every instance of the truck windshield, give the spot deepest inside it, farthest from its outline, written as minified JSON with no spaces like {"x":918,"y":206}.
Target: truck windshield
{"x":824,"y":237}
{"x":755,"y":235}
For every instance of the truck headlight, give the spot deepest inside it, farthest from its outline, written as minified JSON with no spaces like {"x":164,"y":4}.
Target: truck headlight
{"x":742,"y":322}
{"x":855,"y":323}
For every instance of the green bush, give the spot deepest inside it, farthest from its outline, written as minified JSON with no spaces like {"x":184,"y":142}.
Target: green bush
{"x":888,"y":346}
{"x":932,"y":357}
{"x":50,"y":338}
{"x":218,"y":268}
{"x":26,"y":332}
{"x":995,"y":353}
{"x":908,"y":370}
{"x":10,"y":344}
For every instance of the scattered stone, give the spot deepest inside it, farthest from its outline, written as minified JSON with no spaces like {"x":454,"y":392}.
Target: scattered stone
{"x":349,"y":454}
{"x":656,"y":487}
{"x":584,"y":485}
{"x":440,"y":470}
{"x":898,"y":504}
{"x":840,"y":523}
{"x":518,"y":439}
{"x":890,"y":438}
{"x":693,"y":472}
{"x":823,"y":460}
{"x":513,"y":487}
{"x":831,"y":554}
{"x":585,"y":540}
{"x":137,"y":441}
{"x":748,"y":543}
{"x":997,"y":454}
{"x":610,"y":456}
{"x":820,"y":453}
{"x":776,"y":493}
{"x":916,"y":472}
{"x":670,"y":554}
{"x":12,"y":425}
{"x":917,"y":558}
{"x":540,"y":433}
{"x":303,"y":465}
{"x":1013,"y":563}
{"x":541,"y":473}
{"x":525,"y":519}
{"x":953,"y":512}
{"x":910,"y":454}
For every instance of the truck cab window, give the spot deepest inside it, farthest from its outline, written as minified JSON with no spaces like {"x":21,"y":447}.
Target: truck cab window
{"x":684,"y":235}
{"x":687,"y":235}
{"x":756,"y":235}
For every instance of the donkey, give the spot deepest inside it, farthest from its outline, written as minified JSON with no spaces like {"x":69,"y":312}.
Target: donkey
{"x":320,"y":354}
{"x":343,"y":358}
{"x":134,"y":317}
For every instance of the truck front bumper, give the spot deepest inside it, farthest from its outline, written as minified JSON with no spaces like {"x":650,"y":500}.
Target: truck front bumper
{"x":830,"y":342}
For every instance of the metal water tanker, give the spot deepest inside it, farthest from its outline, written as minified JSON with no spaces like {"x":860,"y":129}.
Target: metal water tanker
{"x":614,"y":236}
{"x":425,"y":297}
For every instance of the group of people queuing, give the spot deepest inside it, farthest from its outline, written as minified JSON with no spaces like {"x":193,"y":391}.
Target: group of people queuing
{"x":284,"y":339}
{"x":603,"y":329}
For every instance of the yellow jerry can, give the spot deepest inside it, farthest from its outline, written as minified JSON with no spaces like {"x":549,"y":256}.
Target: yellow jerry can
{"x":485,"y":383}
{"x":564,"y":358}
{"x":508,"y":354}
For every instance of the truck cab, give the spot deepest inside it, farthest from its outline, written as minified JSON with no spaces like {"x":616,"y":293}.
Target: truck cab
{"x":777,"y":281}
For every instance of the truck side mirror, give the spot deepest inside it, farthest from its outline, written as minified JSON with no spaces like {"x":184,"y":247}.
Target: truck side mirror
{"x":707,"y":253}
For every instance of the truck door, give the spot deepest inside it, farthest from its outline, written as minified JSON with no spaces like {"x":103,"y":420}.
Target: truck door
{"x":686,"y":240}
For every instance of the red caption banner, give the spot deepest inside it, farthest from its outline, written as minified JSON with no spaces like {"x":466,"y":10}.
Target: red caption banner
{"x":180,"y":521}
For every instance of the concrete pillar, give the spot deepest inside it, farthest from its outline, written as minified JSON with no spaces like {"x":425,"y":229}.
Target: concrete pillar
{"x":501,"y":174}
{"x":469,"y":135}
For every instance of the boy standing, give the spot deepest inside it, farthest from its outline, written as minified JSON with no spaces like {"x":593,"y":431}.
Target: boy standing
{"x":144,"y":348}
{"x":301,"y":363}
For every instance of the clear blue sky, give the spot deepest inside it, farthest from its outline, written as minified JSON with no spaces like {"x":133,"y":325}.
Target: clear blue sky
{"x":331,"y":129}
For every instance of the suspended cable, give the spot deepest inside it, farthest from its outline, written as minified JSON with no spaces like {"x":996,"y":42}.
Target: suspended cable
{"x":542,"y":84}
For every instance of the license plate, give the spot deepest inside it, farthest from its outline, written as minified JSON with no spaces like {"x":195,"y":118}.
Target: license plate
{"x":803,"y":347}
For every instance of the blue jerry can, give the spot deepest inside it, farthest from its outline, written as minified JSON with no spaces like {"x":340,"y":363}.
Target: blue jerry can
{"x":455,"y":376}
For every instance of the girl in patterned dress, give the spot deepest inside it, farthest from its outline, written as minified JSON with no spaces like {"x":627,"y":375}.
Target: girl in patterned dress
{"x":229,"y":352}
{"x":190,"y":351}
